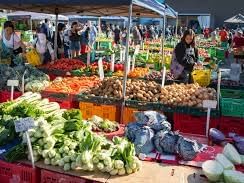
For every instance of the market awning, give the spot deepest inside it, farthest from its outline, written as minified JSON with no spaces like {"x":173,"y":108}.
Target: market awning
{"x":170,"y":12}
{"x":35,"y":16}
{"x":77,"y":17}
{"x":141,"y":8}
{"x":237,"y":19}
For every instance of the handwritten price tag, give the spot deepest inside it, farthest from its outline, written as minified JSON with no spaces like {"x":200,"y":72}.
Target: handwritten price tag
{"x":13,"y":83}
{"x":212,"y":104}
{"x":24,"y":124}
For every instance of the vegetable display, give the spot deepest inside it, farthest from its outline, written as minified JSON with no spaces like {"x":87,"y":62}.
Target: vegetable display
{"x":156,"y":75}
{"x":153,"y":132}
{"x":34,"y":79}
{"x":191,"y":95}
{"x":103,"y":125}
{"x":223,"y":166}
{"x":62,"y":138}
{"x":64,"y":64}
{"x":72,"y":85}
{"x":213,"y":170}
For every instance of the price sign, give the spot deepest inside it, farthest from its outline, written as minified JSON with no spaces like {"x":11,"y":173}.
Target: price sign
{"x":112,"y":62}
{"x":13,"y":83}
{"x":24,"y":124}
{"x":210,"y":104}
{"x":100,"y":68}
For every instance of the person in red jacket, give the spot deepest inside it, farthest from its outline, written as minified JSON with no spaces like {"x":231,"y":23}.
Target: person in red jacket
{"x":238,"y":45}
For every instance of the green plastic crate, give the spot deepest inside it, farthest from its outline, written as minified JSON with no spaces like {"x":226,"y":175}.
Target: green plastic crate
{"x":232,"y":103}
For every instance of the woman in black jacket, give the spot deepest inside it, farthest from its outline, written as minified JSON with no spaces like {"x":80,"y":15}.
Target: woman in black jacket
{"x":185,"y":57}
{"x":60,"y":40}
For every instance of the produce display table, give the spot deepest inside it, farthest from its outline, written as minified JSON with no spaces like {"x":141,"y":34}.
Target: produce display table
{"x":158,"y":173}
{"x":150,"y":173}
{"x":83,"y":175}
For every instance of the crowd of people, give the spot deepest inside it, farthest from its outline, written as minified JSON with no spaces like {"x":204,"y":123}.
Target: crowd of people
{"x":80,"y":38}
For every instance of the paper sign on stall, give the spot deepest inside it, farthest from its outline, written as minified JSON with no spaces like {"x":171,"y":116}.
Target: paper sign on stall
{"x":100,"y":69}
{"x":209,"y":104}
{"x":12,"y":84}
{"x":128,"y":66}
{"x":23,"y":125}
{"x":112,"y":62}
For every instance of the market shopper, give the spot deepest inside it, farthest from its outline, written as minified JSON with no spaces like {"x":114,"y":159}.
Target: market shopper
{"x":123,"y":37}
{"x":185,"y":57}
{"x":45,"y":28}
{"x":74,"y":38}
{"x":223,"y":37}
{"x":44,"y":47}
{"x":136,"y":36}
{"x":238,"y":45}
{"x":85,"y":47}
{"x":117,"y":35}
{"x":60,"y":40}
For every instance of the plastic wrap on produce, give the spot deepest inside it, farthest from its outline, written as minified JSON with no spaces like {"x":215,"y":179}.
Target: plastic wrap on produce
{"x":141,"y":136}
{"x":187,"y":149}
{"x":153,"y":119}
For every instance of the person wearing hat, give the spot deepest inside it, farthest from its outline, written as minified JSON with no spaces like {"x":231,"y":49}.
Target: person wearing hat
{"x":238,"y":44}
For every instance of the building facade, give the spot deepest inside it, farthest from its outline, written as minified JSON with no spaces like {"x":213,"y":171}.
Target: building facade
{"x":217,"y":10}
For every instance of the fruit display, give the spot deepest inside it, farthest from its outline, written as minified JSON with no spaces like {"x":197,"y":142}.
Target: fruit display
{"x":72,"y":85}
{"x":203,"y":53}
{"x":138,"y":72}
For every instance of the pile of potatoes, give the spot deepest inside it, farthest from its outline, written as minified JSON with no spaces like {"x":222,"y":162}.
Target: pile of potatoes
{"x":142,"y":90}
{"x":191,"y":95}
{"x":109,"y":88}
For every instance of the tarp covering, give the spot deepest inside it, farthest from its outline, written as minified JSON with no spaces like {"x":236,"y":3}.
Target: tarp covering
{"x":36,"y":16}
{"x":141,"y":8}
{"x":237,"y":19}
{"x":170,"y":12}
{"x":77,"y":17}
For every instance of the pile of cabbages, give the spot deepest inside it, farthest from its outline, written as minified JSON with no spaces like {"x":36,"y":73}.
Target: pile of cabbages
{"x":152,"y":132}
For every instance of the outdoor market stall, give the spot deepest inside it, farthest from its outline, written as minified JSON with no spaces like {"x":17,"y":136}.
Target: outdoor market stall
{"x":62,"y":138}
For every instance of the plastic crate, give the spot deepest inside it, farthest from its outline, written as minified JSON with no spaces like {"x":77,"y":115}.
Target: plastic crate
{"x":54,"y":177}
{"x":64,"y":104}
{"x":193,"y":124}
{"x":128,"y":115}
{"x":110,"y":112}
{"x":5,"y":95}
{"x":231,"y":124}
{"x":232,"y":103}
{"x":18,"y":173}
{"x":202,"y":77}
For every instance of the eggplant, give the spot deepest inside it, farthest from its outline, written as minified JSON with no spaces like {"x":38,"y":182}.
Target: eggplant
{"x":240,"y":147}
{"x":216,"y":136}
{"x":238,"y":139}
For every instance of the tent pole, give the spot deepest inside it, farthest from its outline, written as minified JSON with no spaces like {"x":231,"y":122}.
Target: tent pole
{"x":163,"y":39}
{"x":56,"y":36}
{"x":176,"y":26}
{"x":126,"y":60}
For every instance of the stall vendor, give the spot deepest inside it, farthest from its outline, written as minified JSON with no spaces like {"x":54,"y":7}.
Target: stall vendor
{"x":185,"y":57}
{"x":11,"y":44}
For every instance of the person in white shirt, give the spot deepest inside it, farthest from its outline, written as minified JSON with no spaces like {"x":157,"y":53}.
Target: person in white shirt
{"x":11,"y":40}
{"x":43,"y":47}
